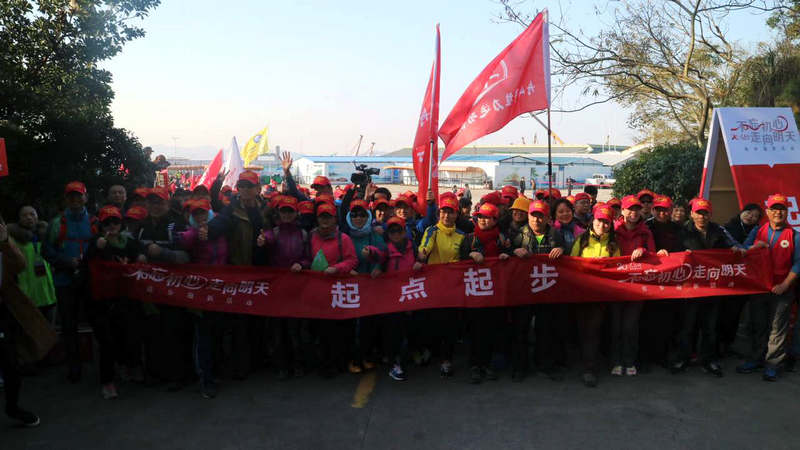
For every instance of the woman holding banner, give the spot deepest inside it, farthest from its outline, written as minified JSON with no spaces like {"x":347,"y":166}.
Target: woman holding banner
{"x":597,"y":242}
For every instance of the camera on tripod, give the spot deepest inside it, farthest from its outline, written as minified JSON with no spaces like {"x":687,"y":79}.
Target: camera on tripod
{"x":363,"y":175}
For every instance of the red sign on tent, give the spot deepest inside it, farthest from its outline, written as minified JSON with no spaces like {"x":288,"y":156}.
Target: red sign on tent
{"x":752,"y":153}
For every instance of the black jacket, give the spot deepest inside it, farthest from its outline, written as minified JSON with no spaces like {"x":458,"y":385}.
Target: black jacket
{"x":716,"y":237}
{"x":668,"y":236}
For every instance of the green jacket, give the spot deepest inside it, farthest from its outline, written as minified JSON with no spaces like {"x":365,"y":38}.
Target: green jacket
{"x":38,"y":287}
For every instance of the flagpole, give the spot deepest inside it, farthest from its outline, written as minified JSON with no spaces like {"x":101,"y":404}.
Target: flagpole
{"x":549,"y":158}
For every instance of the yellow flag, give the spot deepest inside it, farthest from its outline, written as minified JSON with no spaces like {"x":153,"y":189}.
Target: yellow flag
{"x":257,"y":145}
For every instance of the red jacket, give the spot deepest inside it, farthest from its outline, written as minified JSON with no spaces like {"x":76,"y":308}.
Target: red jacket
{"x":781,"y":250}
{"x":338,"y":250}
{"x":395,"y":260}
{"x":630,"y":240}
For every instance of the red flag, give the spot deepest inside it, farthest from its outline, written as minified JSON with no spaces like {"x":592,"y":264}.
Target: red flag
{"x":515,"y":82}
{"x":208,"y":177}
{"x":427,"y":134}
{"x":3,"y":159}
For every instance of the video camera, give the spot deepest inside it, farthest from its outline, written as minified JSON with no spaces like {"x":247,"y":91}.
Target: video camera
{"x":363,"y":175}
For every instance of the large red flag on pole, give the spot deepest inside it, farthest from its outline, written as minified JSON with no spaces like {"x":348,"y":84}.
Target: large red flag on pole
{"x":211,"y":172}
{"x":426,"y":148}
{"x":517,"y":81}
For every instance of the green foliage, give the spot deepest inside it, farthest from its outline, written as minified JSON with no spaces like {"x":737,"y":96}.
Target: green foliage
{"x":55,"y":100}
{"x":670,"y":169}
{"x":771,"y":78}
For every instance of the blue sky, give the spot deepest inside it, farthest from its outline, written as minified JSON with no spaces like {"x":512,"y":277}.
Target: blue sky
{"x":321,"y":73}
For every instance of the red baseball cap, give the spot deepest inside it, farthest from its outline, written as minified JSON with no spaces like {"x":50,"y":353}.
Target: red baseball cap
{"x":582,"y":196}
{"x":603,"y":212}
{"x":402,"y":199}
{"x":107,"y":212}
{"x":460,"y":192}
{"x":225,"y":189}
{"x":662,"y":201}
{"x":136,"y":213}
{"x":494,"y":198}
{"x":160,"y":192}
{"x":571,"y":199}
{"x":305,"y":207}
{"x":358,"y":203}
{"x":394,"y":220}
{"x":320,"y":181}
{"x":141,"y":192}
{"x":378,"y":202}
{"x":488,"y":210}
{"x":777,"y":199}
{"x":75,"y":186}
{"x":324,"y":198}
{"x":629,"y":201}
{"x":326,"y":208}
{"x":509,"y":191}
{"x":614,"y":201}
{"x":198,"y":203}
{"x":701,"y":204}
{"x":287,"y":201}
{"x":448,"y":202}
{"x":644,"y":192}
{"x":249,"y":176}
{"x":540,"y":207}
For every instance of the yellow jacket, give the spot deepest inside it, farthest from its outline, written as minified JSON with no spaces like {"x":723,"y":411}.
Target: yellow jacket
{"x":441,"y":244}
{"x":596,"y":248}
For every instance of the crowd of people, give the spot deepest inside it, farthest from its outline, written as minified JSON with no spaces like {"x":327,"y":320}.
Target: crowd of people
{"x":366,"y":230}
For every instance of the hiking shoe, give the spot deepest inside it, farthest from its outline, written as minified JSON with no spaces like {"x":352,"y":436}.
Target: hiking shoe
{"x":27,"y":418}
{"x":713,"y":368}
{"x":617,"y":371}
{"x":354,"y":368}
{"x":631,"y":371}
{"x":748,"y":367}
{"x":489,"y":373}
{"x":397,"y":373}
{"x":770,"y":374}
{"x":208,"y":390}
{"x":589,"y":379}
{"x":446,"y":370}
{"x":678,"y":367}
{"x":368,"y":365}
{"x":475,"y":375}
{"x":109,"y":391}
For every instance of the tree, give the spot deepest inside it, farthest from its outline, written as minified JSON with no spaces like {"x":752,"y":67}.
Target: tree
{"x":771,"y":78}
{"x":667,"y":59}
{"x":55,"y":100}
{"x":671,"y":169}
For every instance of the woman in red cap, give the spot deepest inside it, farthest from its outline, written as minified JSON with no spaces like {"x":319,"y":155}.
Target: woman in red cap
{"x":636,"y":240}
{"x":485,"y":323}
{"x":400,"y":256}
{"x":287,"y":246}
{"x":332,"y":253}
{"x":110,"y":245}
{"x":563,"y":215}
{"x":597,"y":242}
{"x":203,"y":250}
{"x":441,"y":244}
{"x":537,"y":237}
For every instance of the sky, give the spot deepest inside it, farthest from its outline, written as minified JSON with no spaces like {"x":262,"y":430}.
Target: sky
{"x":321,"y":73}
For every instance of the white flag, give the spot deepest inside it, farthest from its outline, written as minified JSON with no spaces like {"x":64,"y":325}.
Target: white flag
{"x":233,"y":164}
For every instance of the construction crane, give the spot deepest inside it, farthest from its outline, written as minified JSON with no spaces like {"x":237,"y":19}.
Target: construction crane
{"x":358,"y":146}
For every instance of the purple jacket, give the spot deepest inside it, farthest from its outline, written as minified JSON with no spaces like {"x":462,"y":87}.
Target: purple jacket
{"x":204,"y":252}
{"x":288,"y":244}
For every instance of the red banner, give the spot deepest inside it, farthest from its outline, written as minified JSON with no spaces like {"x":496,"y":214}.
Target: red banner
{"x":280,"y":293}
{"x":211,"y":172}
{"x":515,"y":82}
{"x":426,"y":148}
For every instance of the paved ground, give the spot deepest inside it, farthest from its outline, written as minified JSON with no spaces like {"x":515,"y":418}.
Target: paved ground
{"x":657,"y":410}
